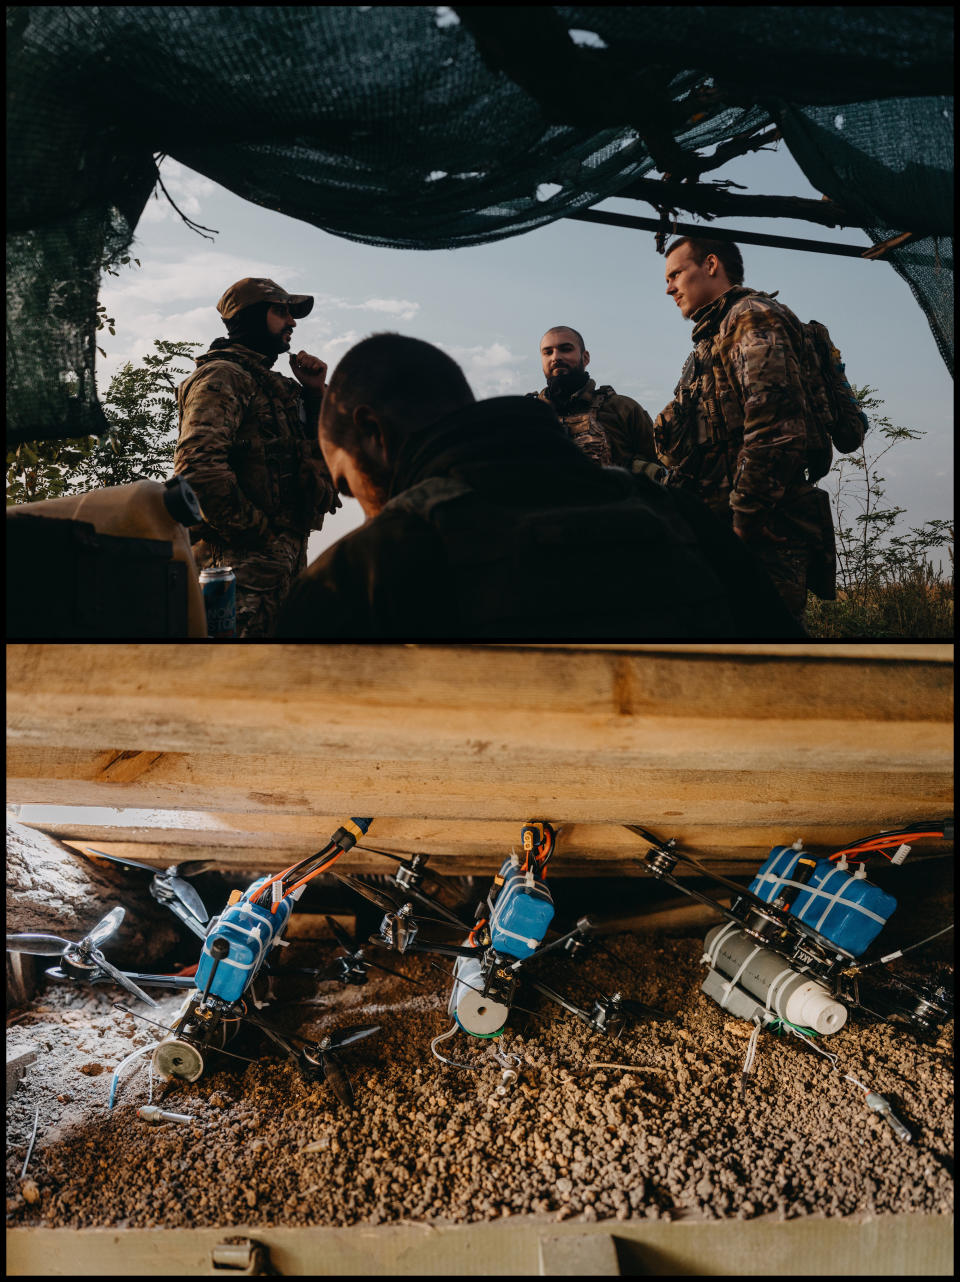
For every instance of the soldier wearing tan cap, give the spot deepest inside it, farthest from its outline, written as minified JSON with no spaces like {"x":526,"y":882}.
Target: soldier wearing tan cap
{"x":248,"y":447}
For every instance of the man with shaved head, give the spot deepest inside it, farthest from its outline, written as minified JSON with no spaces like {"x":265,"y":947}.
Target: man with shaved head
{"x":611,"y":429}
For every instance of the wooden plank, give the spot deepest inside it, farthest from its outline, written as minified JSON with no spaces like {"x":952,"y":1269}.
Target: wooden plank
{"x":318,"y":700}
{"x":274,"y":841}
{"x":729,"y":752}
{"x":908,"y":651}
{"x":566,"y":787}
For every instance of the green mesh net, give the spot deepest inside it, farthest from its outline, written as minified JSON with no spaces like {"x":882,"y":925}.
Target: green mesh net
{"x":425,"y":128}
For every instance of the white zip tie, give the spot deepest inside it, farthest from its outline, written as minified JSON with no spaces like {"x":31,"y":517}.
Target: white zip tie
{"x":732,"y":983}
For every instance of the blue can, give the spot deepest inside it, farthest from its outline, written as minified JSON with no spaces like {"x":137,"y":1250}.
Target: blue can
{"x":219,"y":587}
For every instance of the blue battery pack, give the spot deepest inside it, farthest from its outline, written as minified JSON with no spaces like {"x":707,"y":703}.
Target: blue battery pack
{"x":521,"y":913}
{"x":849,"y":911}
{"x":250,"y":932}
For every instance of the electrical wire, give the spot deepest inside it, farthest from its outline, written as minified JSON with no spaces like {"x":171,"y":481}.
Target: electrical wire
{"x":443,"y":1059}
{"x":36,"y":1119}
{"x":909,"y":948}
{"x":114,"y":1081}
{"x":877,"y":843}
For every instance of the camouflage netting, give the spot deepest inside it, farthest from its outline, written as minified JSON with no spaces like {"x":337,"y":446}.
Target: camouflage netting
{"x":414,"y":127}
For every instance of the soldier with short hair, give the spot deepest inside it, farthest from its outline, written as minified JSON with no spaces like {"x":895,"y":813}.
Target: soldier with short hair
{"x":737,"y":431}
{"x":611,"y":429}
{"x":248,"y":446}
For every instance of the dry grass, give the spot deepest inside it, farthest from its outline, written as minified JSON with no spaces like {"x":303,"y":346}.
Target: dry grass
{"x":919,"y":603}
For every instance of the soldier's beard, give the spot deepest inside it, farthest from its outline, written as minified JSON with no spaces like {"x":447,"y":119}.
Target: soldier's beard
{"x":249,"y":327}
{"x":561,"y":387}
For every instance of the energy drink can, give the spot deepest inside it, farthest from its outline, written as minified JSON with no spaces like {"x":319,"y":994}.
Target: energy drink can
{"x":219,"y":587}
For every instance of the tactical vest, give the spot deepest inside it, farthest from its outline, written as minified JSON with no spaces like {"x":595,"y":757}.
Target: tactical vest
{"x":266,"y":457}
{"x":610,"y":569}
{"x":587,"y":431}
{"x":693,"y":434}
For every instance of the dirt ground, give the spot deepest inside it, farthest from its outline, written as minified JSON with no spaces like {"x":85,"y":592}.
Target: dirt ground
{"x":665,"y":1133}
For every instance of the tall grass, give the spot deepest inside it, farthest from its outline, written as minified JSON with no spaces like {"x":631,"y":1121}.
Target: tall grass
{"x":887,"y":583}
{"x":917,"y":604}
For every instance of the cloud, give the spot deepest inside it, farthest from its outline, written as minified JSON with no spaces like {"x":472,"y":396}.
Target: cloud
{"x":402,"y":308}
{"x":492,"y":370}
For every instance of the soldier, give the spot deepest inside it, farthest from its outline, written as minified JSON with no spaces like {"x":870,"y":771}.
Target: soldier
{"x":485,"y":521}
{"x":610,"y":429}
{"x":248,"y":446}
{"x":736,"y":432}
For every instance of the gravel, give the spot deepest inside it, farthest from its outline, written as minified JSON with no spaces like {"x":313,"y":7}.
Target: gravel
{"x":666,"y":1137}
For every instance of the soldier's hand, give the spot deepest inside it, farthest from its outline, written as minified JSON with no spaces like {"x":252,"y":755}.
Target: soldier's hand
{"x":309,"y":370}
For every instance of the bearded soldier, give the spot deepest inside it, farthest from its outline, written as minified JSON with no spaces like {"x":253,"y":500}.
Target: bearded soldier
{"x":611,"y":429}
{"x":736,"y":433}
{"x":248,"y":446}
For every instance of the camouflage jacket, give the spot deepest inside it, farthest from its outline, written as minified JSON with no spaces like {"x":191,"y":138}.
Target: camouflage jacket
{"x":613,"y":430}
{"x":736,"y":430}
{"x":249,"y":448}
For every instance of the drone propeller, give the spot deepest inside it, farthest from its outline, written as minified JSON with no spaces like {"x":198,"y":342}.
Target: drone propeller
{"x":123,"y":980}
{"x":319,"y":1061}
{"x":389,"y":903}
{"x":37,"y":944}
{"x":561,"y":1001}
{"x":355,"y":958}
{"x":86,"y":954}
{"x":169,"y":887}
{"x":339,"y":934}
{"x":409,"y":882}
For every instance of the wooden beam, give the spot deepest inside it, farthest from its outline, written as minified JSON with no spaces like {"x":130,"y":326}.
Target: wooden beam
{"x":720,"y":233}
{"x":271,"y":841}
{"x":314,"y":700}
{"x":732,"y":788}
{"x":451,"y":748}
{"x":712,"y":201}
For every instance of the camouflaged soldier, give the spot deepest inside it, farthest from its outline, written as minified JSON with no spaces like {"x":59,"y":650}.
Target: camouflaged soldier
{"x":613,"y":430}
{"x":248,"y":446}
{"x":736,"y":432}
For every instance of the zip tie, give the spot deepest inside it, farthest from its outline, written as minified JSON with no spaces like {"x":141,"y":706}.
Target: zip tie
{"x":732,"y":983}
{"x":36,"y":1119}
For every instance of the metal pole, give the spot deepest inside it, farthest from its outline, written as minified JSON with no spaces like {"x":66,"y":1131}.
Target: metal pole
{"x":718,"y":233}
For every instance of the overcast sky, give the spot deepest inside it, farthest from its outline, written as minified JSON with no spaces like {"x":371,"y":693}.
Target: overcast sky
{"x":488,"y":307}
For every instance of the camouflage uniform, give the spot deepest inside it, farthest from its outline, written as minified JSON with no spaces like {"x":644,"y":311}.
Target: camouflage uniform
{"x":736,"y":434}
{"x":249,"y":449}
{"x":612,"y":430}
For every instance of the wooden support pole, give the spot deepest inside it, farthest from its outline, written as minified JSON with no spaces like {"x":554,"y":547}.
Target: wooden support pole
{"x":720,"y":233}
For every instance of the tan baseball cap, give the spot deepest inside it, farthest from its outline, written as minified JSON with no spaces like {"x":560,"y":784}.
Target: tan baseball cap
{"x":257,"y":289}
